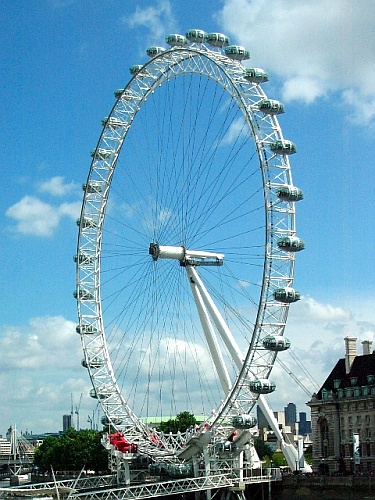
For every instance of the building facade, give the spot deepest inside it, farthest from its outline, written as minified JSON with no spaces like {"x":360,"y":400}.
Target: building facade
{"x":343,"y":414}
{"x":67,"y":422}
{"x":290,"y":412}
{"x":5,"y":447}
{"x":304,"y":425}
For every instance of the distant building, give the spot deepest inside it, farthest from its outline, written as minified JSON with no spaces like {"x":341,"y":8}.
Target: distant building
{"x":304,"y":425}
{"x":290,"y":412}
{"x":5,"y":447}
{"x":261,"y":419}
{"x":67,"y":422}
{"x":291,"y":432}
{"x":343,"y":414}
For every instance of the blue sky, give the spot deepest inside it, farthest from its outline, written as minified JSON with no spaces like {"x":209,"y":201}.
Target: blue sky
{"x":61,"y":60}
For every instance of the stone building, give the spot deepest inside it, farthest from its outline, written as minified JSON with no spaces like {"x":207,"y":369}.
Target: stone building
{"x":345,"y":406}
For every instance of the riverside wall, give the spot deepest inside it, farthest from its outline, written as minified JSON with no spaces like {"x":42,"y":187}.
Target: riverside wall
{"x":302,"y":487}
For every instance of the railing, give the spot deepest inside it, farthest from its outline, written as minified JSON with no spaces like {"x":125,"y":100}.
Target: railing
{"x":106,"y":487}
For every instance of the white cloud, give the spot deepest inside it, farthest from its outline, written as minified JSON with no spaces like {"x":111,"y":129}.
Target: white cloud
{"x":236,"y":129}
{"x":34,"y":216}
{"x":27,"y":347}
{"x":309,"y":310}
{"x":317,"y":48}
{"x":40,"y":364}
{"x":158,"y":18}
{"x":57,"y":186}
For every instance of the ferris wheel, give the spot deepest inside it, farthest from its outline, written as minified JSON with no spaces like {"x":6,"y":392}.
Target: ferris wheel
{"x":187,"y":242}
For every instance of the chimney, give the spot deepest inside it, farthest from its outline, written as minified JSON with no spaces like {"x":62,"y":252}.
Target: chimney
{"x":366,"y":346}
{"x":350,"y":352}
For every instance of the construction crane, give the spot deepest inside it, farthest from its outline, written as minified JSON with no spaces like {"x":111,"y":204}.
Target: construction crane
{"x":77,"y":411}
{"x":90,"y":420}
{"x":71,"y":411}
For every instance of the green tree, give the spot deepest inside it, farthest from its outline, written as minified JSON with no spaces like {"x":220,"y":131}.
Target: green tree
{"x":278,"y":459}
{"x":182,"y":422}
{"x":308,"y":454}
{"x":72,"y":451}
{"x":263,"y":449}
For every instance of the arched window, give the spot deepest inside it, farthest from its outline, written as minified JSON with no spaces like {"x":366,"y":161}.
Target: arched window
{"x":324,"y":440}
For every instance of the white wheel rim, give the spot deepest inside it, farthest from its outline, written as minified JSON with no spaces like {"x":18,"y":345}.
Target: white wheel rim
{"x":128,"y":400}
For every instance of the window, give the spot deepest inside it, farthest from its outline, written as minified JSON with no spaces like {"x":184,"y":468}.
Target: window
{"x":336,"y":383}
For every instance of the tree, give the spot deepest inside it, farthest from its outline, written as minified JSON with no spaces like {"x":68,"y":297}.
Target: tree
{"x":73,"y":450}
{"x":263,"y":449}
{"x":181,"y":423}
{"x":278,"y":459}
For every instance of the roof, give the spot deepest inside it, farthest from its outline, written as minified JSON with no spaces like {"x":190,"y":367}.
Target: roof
{"x":361,"y":367}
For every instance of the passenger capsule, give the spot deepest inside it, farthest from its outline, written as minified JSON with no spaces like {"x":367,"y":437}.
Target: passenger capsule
{"x":286,"y":295}
{"x":244,"y":421}
{"x":107,"y":421}
{"x":98,"y":395}
{"x":262,"y":386}
{"x":93,"y":187}
{"x":86,"y":223}
{"x":113,"y":122}
{"x":175,"y":40}
{"x":101,"y":154}
{"x":124,"y":95}
{"x":283,"y":147}
{"x":92,"y":363}
{"x":154,"y":51}
{"x":271,"y":107}
{"x":196,"y":36}
{"x":291,"y":244}
{"x":276,"y":343}
{"x":135,"y":69}
{"x":225,"y":447}
{"x":180,"y":470}
{"x":256,"y":75}
{"x":217,"y":40}
{"x":237,"y":52}
{"x":86,"y":328}
{"x":83,"y":294}
{"x":289,"y":193}
{"x":118,"y":92}
{"x":83,"y":258}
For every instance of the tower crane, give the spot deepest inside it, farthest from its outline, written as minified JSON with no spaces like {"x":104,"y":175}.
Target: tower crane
{"x":77,"y":411}
{"x":71,"y":411}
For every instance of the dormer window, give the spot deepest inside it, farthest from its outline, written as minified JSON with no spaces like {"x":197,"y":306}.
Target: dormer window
{"x":325,"y":394}
{"x":370,"y":379}
{"x":336,"y":383}
{"x":353,"y":381}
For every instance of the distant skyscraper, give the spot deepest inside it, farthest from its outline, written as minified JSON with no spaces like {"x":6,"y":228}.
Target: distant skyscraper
{"x":262,"y":421}
{"x":67,"y":422}
{"x":304,"y":425}
{"x":290,"y":414}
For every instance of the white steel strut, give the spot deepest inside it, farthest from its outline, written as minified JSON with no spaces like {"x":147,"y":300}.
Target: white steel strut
{"x":206,"y":307}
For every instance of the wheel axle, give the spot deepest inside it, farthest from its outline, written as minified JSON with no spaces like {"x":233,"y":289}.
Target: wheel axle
{"x":186,"y":257}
